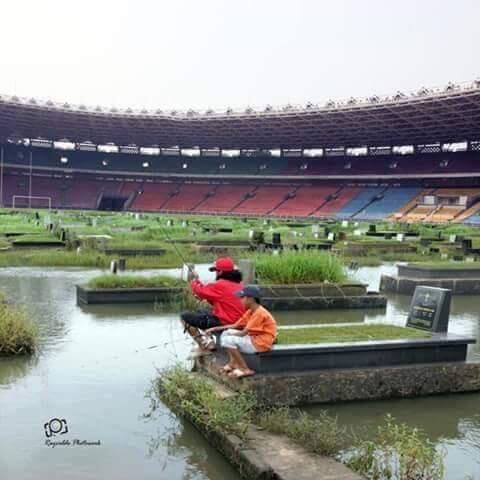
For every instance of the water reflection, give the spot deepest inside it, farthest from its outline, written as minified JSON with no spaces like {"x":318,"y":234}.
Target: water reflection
{"x":451,"y":421}
{"x":180,"y":439}
{"x":13,"y":369}
{"x":95,"y":363}
{"x":93,"y":368}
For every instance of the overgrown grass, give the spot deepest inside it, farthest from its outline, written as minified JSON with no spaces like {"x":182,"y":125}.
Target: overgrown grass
{"x":194,"y":397}
{"x":87,"y":258}
{"x":17,"y":333}
{"x":320,"y":434}
{"x":397,"y":452}
{"x":131,"y":281}
{"x":346,"y":333}
{"x":4,"y":243}
{"x":299,"y":267}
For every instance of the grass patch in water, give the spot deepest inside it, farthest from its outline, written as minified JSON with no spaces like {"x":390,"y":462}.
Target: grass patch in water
{"x":346,"y":333}
{"x":17,"y":333}
{"x":299,"y":267}
{"x":87,"y":258}
{"x":131,"y":281}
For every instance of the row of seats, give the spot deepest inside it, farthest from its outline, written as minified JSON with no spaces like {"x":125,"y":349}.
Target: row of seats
{"x":394,"y":165}
{"x":322,"y":201}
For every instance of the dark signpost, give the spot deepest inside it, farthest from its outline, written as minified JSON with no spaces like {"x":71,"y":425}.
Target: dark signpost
{"x":430,"y":309}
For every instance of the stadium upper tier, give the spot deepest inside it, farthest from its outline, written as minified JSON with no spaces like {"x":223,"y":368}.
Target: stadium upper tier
{"x":451,"y":114}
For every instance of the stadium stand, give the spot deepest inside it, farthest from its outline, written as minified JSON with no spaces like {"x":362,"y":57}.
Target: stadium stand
{"x":387,"y":203}
{"x":187,"y":197}
{"x":285,"y":162}
{"x":304,"y":201}
{"x":336,"y":202}
{"x":224,"y":199}
{"x":152,"y":196}
{"x":363,"y":199}
{"x":263,"y":200}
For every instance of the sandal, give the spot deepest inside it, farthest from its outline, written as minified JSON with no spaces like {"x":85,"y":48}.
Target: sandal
{"x":239,"y":373}
{"x":226,"y":368}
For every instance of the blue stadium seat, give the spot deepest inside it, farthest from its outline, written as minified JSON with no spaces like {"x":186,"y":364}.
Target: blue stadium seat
{"x":392,"y":200}
{"x":363,"y":198}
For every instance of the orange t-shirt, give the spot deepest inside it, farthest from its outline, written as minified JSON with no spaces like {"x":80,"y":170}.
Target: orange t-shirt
{"x":261,"y":327}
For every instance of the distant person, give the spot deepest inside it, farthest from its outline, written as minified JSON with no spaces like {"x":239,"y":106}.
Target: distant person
{"x":255,"y":331}
{"x":227,"y":308}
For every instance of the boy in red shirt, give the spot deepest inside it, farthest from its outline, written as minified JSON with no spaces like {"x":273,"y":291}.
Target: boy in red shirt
{"x":254,"y":332}
{"x":227,"y":308}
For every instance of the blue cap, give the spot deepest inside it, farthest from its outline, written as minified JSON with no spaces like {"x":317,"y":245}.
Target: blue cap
{"x":249,"y":291}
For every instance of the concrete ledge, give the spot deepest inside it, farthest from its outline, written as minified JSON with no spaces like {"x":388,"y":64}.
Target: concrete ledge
{"x":341,"y":385}
{"x":327,"y":356}
{"x":405,"y":285}
{"x":372,"y":300}
{"x":129,"y":252}
{"x":264,"y":456}
{"x":88,"y":296}
{"x":33,"y":244}
{"x":412,"y":271}
{"x":314,"y":290}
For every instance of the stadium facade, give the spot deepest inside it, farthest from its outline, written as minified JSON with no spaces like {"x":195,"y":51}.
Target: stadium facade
{"x":412,"y":157}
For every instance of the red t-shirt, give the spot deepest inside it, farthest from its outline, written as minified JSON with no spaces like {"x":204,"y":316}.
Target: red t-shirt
{"x":221,"y":295}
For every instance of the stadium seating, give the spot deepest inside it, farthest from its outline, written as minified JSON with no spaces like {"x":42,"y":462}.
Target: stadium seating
{"x":474,"y":219}
{"x":264,"y":200}
{"x":187,"y":197}
{"x":391,"y":200}
{"x":225,"y":198}
{"x":87,"y":179}
{"x":305,"y":201}
{"x":152,"y":196}
{"x":419,"y":213}
{"x":361,"y":201}
{"x":336,"y":202}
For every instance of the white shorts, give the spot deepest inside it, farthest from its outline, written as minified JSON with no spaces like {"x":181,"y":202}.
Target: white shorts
{"x":244,"y":344}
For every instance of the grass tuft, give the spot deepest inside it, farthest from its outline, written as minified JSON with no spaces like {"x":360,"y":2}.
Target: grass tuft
{"x":192,"y":396}
{"x":131,"y":281}
{"x":299,"y":267}
{"x":17,"y":333}
{"x":320,"y":434}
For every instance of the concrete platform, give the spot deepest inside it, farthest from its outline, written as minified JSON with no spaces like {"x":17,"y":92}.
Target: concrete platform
{"x":88,"y":296}
{"x":351,"y":384}
{"x":442,"y":347}
{"x":265,"y":456}
{"x":370,"y":300}
{"x":407,"y":285}
{"x":461,"y":281}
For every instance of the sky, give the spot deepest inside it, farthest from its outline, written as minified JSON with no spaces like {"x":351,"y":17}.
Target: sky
{"x":223,"y":53}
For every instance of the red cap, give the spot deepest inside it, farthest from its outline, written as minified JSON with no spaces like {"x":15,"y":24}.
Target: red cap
{"x":223,"y":264}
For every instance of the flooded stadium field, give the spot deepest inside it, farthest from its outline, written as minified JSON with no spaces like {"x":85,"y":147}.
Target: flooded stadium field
{"x":94,"y":367}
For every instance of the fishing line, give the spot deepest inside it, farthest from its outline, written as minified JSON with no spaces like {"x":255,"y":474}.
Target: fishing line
{"x":177,"y":251}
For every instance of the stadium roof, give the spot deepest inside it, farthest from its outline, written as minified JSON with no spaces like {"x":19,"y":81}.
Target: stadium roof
{"x":451,"y":114}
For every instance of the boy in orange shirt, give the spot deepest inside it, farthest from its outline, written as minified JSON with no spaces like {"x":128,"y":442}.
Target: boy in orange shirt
{"x":255,"y":331}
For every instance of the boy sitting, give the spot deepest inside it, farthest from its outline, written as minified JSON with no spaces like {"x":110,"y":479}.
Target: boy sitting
{"x":255,"y":331}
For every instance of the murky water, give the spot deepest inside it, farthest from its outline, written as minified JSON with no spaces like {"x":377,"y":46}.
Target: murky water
{"x":95,"y":365}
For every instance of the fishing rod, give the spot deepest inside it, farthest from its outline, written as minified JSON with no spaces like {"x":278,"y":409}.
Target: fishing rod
{"x":177,"y":251}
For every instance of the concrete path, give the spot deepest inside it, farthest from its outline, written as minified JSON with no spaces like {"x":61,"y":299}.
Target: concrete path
{"x":291,"y":462}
